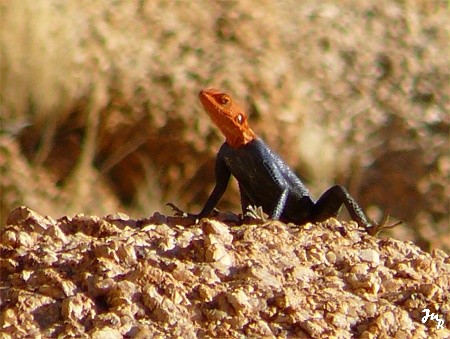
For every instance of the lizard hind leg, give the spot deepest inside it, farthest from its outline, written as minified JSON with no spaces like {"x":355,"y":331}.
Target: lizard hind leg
{"x":330,"y":203}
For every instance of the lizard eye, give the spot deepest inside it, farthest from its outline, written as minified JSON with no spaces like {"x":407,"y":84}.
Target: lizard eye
{"x":225,"y":99}
{"x":240,"y":119}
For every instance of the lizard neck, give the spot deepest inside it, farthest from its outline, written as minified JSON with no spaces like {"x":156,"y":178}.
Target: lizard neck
{"x":228,"y":116}
{"x":241,"y":139}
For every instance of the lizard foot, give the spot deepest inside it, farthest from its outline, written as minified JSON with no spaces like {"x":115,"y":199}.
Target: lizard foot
{"x":256,"y":213}
{"x":382,"y":225}
{"x":178,"y":212}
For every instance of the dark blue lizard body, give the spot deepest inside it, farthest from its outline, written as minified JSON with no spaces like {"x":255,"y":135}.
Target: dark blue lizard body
{"x":266,"y":181}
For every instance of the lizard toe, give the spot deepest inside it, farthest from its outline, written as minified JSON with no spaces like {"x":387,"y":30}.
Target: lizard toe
{"x":377,"y":227}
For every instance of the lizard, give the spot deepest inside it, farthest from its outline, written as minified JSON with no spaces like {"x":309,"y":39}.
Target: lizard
{"x":264,"y":179}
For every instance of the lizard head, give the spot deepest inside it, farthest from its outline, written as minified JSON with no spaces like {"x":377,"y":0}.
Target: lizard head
{"x":228,"y":116}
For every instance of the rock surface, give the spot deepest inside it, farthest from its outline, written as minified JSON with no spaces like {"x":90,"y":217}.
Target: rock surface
{"x":111,"y":277}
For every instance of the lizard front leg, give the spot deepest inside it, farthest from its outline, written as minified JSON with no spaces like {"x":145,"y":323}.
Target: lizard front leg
{"x":281,"y":186}
{"x":329,"y":205}
{"x":281,"y":203}
{"x":223,"y":175}
{"x":245,"y":199}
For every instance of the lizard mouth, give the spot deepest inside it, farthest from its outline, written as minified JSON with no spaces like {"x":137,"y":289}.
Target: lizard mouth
{"x":213,"y":100}
{"x":219,"y":108}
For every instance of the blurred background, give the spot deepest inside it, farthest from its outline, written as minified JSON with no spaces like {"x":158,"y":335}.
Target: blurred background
{"x":99,"y":110}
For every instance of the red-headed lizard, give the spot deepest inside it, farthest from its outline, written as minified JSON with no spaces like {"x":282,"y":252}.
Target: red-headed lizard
{"x":264,"y":179}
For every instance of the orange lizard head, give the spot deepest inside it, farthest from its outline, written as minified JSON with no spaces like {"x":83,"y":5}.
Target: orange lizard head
{"x":228,"y":116}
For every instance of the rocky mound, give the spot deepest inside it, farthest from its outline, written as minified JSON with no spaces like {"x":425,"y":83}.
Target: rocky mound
{"x":111,"y":277}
